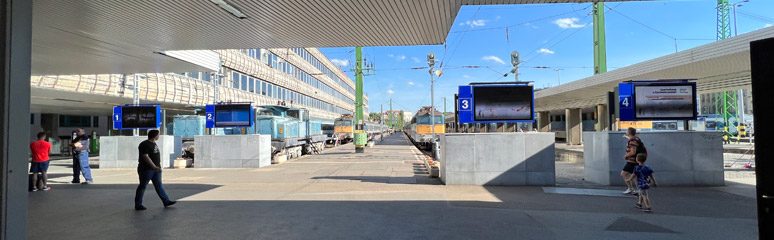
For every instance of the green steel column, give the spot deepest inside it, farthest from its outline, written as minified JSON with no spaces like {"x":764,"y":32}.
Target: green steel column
{"x":600,"y":46}
{"x":728,"y":98}
{"x":360,"y":135}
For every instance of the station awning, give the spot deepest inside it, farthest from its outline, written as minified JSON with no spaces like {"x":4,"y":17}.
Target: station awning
{"x":718,"y":66}
{"x":93,"y":36}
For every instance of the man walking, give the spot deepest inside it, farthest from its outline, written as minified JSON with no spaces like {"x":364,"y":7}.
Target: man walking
{"x":40,"y":150}
{"x":634,"y":146}
{"x":149,"y":170}
{"x":81,"y":157}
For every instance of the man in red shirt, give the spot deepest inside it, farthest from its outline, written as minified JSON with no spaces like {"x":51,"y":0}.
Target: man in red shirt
{"x":40,"y":150}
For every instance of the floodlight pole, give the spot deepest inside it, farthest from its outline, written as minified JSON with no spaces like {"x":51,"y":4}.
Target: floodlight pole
{"x":431,"y":63}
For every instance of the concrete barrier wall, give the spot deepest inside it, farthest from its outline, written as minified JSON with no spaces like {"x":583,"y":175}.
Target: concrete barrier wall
{"x":121,"y":151}
{"x":232,"y":151}
{"x":498,"y":159}
{"x":678,"y":158}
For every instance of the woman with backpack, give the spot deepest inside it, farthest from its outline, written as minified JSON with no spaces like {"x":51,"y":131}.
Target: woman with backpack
{"x":634,"y":146}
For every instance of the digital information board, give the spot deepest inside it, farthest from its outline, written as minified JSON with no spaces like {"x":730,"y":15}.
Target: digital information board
{"x":137,"y":117}
{"x":229,"y":115}
{"x":496,"y":104}
{"x":657,"y":101}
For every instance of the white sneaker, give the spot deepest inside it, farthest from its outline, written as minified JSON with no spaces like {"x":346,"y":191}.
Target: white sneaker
{"x":628,"y":191}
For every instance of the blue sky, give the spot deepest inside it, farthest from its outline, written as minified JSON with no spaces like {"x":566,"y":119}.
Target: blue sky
{"x":557,"y":36}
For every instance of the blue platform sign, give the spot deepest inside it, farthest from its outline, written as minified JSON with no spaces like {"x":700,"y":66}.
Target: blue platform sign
{"x":657,"y":100}
{"x":137,"y":117}
{"x":229,"y":115}
{"x":625,"y":102}
{"x":497,"y":103}
{"x":209,"y":116}
{"x":117,"y":117}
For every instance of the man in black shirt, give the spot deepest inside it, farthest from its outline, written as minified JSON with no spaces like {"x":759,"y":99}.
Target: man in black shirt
{"x":80,"y":147}
{"x":149,"y":170}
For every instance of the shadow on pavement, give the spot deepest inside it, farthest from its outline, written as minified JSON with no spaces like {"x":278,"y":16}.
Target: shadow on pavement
{"x":105,"y":212}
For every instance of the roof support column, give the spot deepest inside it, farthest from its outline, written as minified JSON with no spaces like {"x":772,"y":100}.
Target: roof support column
{"x":16,"y":53}
{"x":544,"y":121}
{"x":574,"y":128}
{"x":602,"y":118}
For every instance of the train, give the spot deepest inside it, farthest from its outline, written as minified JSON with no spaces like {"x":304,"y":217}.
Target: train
{"x":344,"y":128}
{"x":293,"y":132}
{"x":420,"y":129}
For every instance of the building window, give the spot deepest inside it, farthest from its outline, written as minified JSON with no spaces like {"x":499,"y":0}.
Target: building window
{"x":95,"y":121}
{"x":244,"y":82}
{"x":252,"y":84}
{"x":206,"y":77}
{"x":194,"y":75}
{"x":74,"y":121}
{"x":235,"y":80}
{"x":32,"y":118}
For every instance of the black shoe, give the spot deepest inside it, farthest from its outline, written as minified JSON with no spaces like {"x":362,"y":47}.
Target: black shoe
{"x":75,"y":181}
{"x":139,"y":208}
{"x":170,"y":203}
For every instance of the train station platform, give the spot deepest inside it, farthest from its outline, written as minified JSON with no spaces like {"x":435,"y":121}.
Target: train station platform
{"x":382,"y":194}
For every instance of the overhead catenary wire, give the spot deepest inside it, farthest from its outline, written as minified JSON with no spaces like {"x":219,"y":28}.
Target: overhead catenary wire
{"x":675,"y":39}
{"x":458,"y":42}
{"x":522,"y":23}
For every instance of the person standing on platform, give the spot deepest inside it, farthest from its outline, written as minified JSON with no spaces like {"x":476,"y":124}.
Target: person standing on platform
{"x":149,"y":170}
{"x":80,"y":147}
{"x":633,"y":146}
{"x":40,"y":150}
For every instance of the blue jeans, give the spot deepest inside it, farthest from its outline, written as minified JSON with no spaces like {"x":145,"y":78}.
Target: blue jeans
{"x":81,"y":165}
{"x":145,"y":176}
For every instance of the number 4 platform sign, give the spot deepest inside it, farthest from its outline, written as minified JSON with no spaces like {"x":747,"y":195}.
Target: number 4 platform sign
{"x":625,"y":104}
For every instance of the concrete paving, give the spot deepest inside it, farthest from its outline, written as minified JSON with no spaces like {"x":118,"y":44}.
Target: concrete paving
{"x":382,"y":194}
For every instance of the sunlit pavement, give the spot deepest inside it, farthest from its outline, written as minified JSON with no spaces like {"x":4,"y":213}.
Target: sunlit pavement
{"x":382,"y":194}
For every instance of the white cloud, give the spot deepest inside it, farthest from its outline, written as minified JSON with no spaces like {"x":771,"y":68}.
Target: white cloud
{"x":468,"y":77}
{"x":411,"y":83}
{"x":532,"y":26}
{"x":493,"y":59}
{"x":568,"y":23}
{"x":397,"y":57}
{"x":545,"y":50}
{"x":390,"y":92}
{"x":768,"y":25}
{"x":475,"y":23}
{"x":416,"y":60}
{"x":340,"y":62}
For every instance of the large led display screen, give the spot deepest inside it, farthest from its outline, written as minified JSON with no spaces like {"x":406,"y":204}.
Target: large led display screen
{"x":655,"y":101}
{"x":139,"y":117}
{"x":235,"y":115}
{"x":503,"y":103}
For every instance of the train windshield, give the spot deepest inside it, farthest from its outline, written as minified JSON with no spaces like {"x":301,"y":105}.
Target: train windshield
{"x":343,"y":123}
{"x":426,"y":119}
{"x":327,"y":127}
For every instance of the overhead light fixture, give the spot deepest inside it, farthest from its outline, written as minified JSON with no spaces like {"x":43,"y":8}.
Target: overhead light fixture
{"x":229,"y":8}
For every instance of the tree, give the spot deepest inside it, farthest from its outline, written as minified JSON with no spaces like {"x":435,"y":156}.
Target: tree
{"x":373,"y":117}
